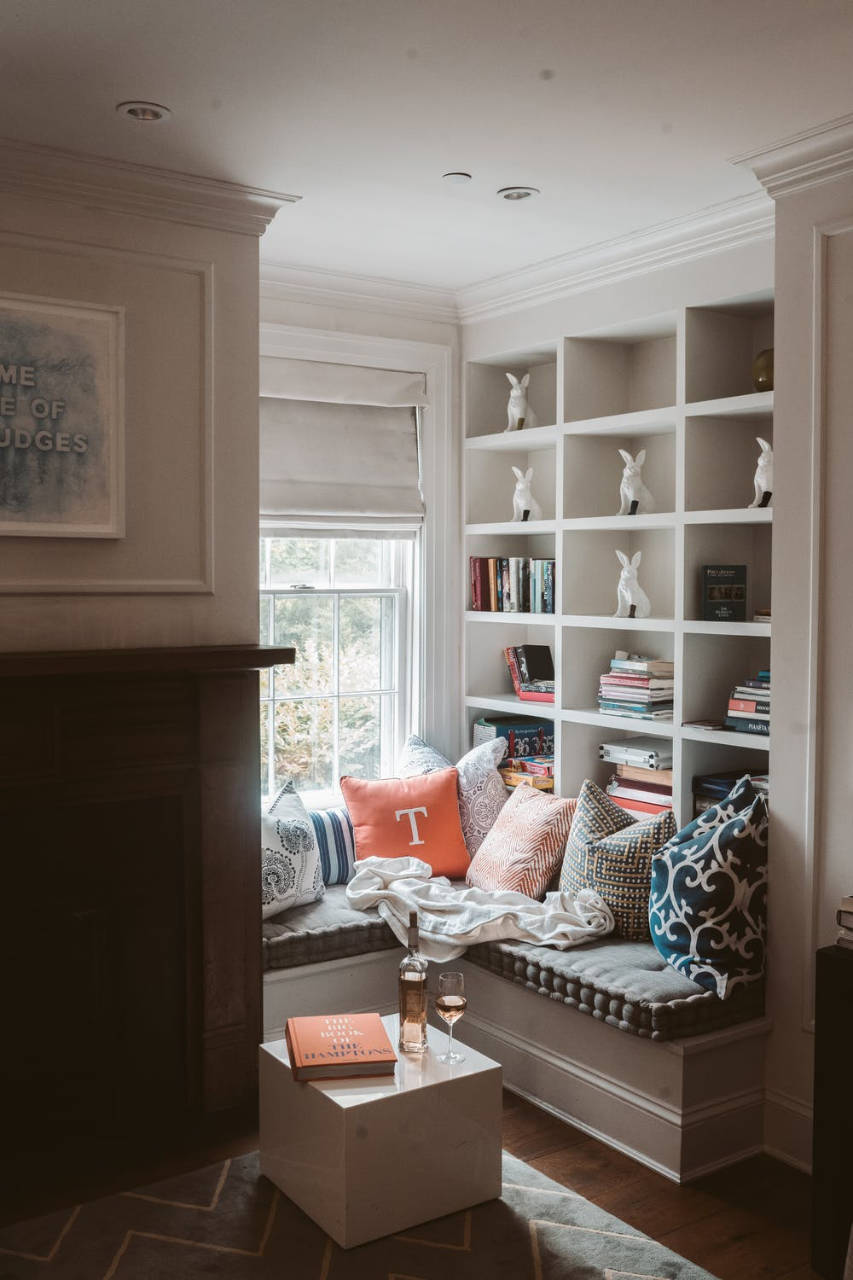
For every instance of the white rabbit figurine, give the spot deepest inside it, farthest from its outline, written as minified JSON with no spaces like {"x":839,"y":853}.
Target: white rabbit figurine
{"x":763,"y":479}
{"x":633,"y":494}
{"x":518,"y":411}
{"x":633,"y":601}
{"x":523,"y":500}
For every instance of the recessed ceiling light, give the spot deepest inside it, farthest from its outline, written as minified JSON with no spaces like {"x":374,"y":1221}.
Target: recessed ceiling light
{"x":144,"y":112}
{"x":518,"y":193}
{"x":457,"y":177}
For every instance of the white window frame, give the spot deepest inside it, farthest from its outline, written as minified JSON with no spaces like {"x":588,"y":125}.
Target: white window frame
{"x":404,"y":591}
{"x":437,"y":629}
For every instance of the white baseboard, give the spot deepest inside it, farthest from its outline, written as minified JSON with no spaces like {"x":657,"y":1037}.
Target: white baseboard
{"x":788,"y":1129}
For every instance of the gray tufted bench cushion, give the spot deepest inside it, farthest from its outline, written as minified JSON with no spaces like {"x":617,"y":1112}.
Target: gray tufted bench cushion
{"x":626,"y":984}
{"x":324,"y":930}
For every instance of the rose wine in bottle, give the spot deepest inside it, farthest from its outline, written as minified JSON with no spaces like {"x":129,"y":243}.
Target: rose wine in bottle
{"x":413,"y":995}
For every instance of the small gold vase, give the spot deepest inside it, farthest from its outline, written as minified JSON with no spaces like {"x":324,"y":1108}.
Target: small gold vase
{"x":762,"y":370}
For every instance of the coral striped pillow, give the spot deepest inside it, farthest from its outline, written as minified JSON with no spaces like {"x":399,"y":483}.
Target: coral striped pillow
{"x":525,"y":846}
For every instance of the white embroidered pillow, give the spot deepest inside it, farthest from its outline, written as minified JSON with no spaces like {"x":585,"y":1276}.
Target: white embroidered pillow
{"x":481,"y":790}
{"x":291,"y":871}
{"x":525,"y":846}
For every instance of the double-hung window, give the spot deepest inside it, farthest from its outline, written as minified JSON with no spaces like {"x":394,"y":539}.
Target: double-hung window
{"x":346,"y":604}
{"x":341,"y":510}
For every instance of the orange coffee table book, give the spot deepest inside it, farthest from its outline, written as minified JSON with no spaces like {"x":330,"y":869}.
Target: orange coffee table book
{"x":339,"y":1044}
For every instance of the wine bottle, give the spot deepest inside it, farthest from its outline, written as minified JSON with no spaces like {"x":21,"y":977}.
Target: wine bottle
{"x":413,"y":995}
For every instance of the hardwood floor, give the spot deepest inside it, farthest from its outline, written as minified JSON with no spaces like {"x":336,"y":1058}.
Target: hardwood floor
{"x":747,"y":1222}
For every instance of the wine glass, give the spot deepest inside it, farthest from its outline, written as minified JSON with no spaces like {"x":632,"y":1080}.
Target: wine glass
{"x":450,"y":1005}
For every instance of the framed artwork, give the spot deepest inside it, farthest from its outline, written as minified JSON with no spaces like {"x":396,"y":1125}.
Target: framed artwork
{"x":61,"y":419}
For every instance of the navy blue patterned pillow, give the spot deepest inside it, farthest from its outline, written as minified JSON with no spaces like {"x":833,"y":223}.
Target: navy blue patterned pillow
{"x":708,"y":904}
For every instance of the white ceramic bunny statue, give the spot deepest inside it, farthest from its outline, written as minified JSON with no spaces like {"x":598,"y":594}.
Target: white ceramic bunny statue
{"x":634,"y":497}
{"x":523,"y":500}
{"x":633,"y":601}
{"x":518,"y":411}
{"x":763,"y":479}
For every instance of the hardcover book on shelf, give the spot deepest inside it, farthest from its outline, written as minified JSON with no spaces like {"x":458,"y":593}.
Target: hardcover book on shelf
{"x":724,"y":592}
{"x":524,"y":737}
{"x":646,"y":776}
{"x":511,"y":584}
{"x":338,"y":1044}
{"x":529,"y":667}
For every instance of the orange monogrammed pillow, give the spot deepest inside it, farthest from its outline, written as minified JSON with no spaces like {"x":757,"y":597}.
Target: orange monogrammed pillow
{"x":525,"y":846}
{"x":409,"y":818}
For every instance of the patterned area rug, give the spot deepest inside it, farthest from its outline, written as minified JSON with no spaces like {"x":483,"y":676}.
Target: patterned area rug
{"x":230,"y":1223}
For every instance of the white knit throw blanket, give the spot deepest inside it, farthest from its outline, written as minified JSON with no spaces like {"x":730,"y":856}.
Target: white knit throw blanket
{"x":451,"y":919}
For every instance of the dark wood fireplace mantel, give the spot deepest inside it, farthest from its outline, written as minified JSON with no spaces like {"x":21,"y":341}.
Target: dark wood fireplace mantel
{"x":130,"y":942}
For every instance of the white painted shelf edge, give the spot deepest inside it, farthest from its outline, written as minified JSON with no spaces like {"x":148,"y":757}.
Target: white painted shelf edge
{"x":658,"y":728}
{"x":727,"y":738}
{"x":616,"y":624}
{"x":528,"y":440}
{"x":515,"y":619}
{"x":698,"y":628}
{"x":512,"y":527}
{"x":511,"y":705}
{"x":641,"y":422}
{"x":661,"y":520}
{"x":731,"y":515}
{"x":756,"y":404}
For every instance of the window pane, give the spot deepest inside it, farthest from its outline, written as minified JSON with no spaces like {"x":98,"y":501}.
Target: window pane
{"x":360,"y":724}
{"x":366,"y":643}
{"x":307,"y":623}
{"x":265,"y":746}
{"x":304,"y":743}
{"x":300,"y":562}
{"x":358,"y":563}
{"x":265,"y":612}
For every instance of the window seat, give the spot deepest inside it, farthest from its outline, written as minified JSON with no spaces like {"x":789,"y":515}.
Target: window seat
{"x":683,"y":1092}
{"x":625,"y":984}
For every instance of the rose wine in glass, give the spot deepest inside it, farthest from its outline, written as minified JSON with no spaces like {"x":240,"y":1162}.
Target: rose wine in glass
{"x":450,"y":1005}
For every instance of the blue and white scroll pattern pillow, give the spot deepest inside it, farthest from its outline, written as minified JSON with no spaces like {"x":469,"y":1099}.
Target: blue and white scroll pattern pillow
{"x":708,"y":904}
{"x":291,"y":871}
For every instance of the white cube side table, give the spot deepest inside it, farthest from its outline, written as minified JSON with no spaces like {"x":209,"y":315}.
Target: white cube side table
{"x":371,"y":1155}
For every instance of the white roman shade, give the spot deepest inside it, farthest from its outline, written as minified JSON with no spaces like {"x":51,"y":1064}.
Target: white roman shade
{"x":339,"y":445}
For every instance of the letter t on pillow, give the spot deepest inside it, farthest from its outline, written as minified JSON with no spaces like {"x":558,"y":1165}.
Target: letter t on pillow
{"x":409,"y":818}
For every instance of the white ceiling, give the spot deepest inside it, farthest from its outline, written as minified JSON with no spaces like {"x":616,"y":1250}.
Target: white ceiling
{"x":624,"y":112}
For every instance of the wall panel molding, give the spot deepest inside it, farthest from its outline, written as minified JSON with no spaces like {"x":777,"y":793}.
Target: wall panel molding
{"x":203,"y":582}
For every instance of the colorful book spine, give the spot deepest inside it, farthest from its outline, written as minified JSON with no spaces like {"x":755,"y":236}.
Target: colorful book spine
{"x":747,"y":725}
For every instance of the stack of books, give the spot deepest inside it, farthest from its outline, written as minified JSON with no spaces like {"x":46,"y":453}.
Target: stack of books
{"x":531,"y":669}
{"x":638,"y":688}
{"x":844,"y":920}
{"x":749,"y":705}
{"x":534,"y":771}
{"x":711,"y":788}
{"x":640,"y":791}
{"x":511,"y":584}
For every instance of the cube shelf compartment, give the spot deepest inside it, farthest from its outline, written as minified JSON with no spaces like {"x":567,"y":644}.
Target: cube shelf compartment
{"x":679,"y":386}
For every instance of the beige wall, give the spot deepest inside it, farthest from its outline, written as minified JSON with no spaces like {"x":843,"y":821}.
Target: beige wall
{"x":186,"y":571}
{"x":812,"y":865}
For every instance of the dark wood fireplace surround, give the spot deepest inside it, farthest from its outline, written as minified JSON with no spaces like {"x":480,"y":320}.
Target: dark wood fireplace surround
{"x":130,"y":836}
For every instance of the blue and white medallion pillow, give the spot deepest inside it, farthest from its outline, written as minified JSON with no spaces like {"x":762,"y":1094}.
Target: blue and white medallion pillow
{"x":708,"y":903}
{"x":481,"y":790}
{"x":291,"y":871}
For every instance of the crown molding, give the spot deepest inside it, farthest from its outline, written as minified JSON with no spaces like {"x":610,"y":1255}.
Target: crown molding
{"x":362,"y":293}
{"x":119,"y":186}
{"x":680,"y":240}
{"x":805,"y":159}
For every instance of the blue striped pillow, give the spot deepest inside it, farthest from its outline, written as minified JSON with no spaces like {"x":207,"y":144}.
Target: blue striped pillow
{"x":336,"y":842}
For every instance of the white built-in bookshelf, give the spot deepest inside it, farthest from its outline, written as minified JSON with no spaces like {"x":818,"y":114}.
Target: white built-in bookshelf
{"x":680,"y":386}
